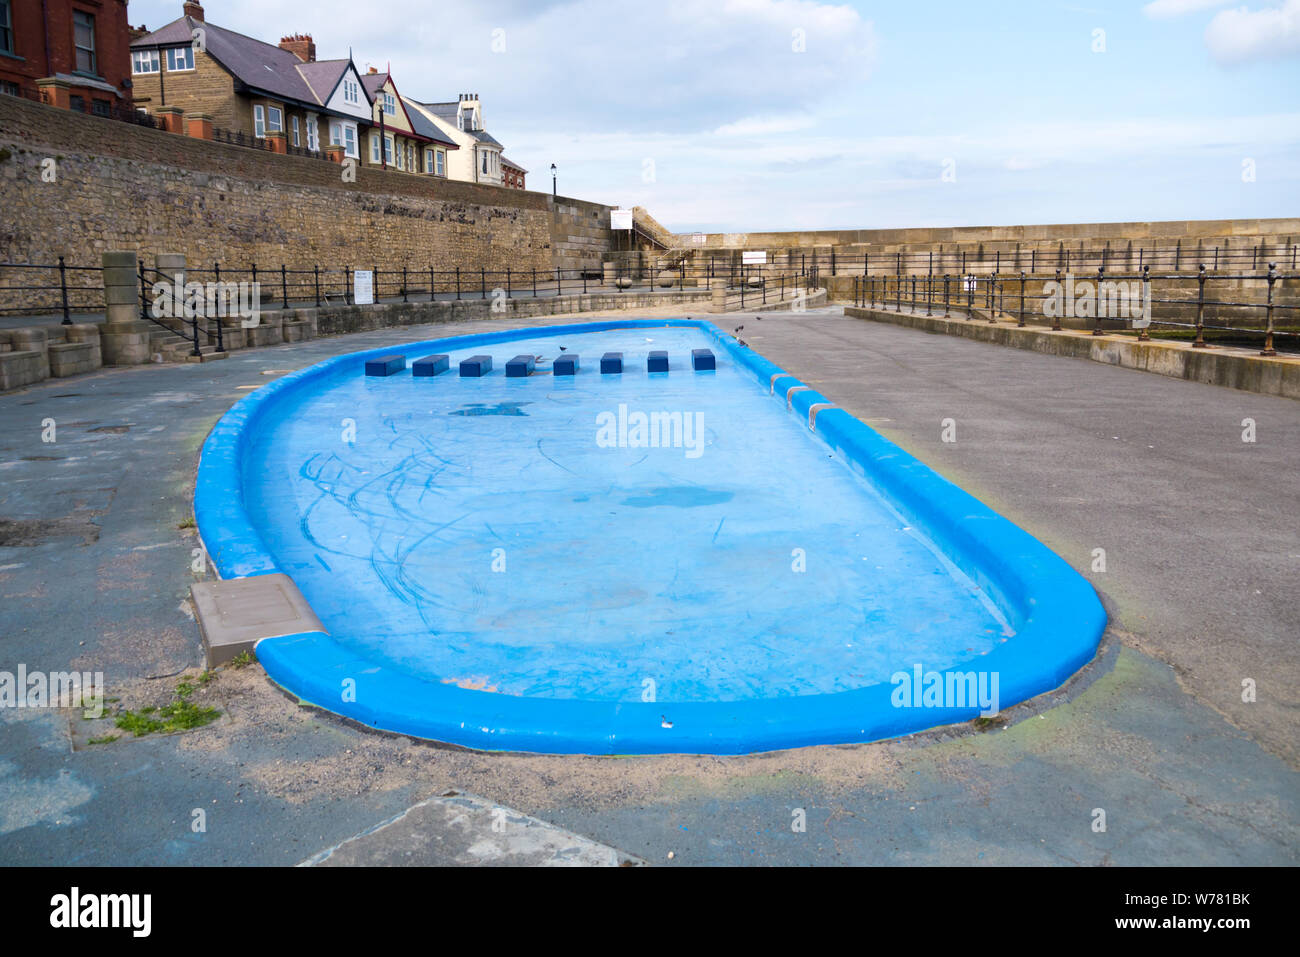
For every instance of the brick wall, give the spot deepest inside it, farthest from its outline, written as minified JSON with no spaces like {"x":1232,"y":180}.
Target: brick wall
{"x":120,"y":186}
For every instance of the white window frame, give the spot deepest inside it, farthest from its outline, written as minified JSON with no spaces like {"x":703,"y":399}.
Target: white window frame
{"x":388,"y":149}
{"x":440,"y":163}
{"x":151,"y":60}
{"x":259,"y":121}
{"x":374,"y":148}
{"x":428,"y":160}
{"x":350,"y":88}
{"x":187,"y":53}
{"x":390,"y":104}
{"x":274,"y":119}
{"x":293,"y":122}
{"x":312,"y":143}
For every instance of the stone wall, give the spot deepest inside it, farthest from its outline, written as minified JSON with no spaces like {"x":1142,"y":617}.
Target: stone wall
{"x":120,"y":186}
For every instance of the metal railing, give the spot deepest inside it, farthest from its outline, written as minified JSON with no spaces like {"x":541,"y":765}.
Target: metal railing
{"x":986,"y":297}
{"x":50,"y":288}
{"x":92,"y":107}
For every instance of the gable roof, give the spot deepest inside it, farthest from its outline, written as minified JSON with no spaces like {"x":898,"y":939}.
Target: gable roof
{"x":256,"y":64}
{"x":449,"y":112}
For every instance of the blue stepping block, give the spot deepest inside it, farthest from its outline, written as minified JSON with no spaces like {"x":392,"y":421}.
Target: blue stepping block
{"x":611,"y":363}
{"x":475,"y":367}
{"x":385,"y":365}
{"x":702,"y":360}
{"x":520,"y":367}
{"x":657,"y":361}
{"x":565,"y":365}
{"x":430,"y":365}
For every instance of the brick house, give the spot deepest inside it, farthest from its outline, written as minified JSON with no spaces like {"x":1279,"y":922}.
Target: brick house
{"x":399,"y":138}
{"x":512,"y":175}
{"x":280,"y":96}
{"x":74,"y":52}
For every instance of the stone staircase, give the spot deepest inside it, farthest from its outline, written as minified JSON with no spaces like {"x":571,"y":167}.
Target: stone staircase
{"x":167,"y":346}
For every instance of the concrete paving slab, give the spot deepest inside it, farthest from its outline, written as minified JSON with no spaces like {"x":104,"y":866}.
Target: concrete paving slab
{"x":469,"y":831}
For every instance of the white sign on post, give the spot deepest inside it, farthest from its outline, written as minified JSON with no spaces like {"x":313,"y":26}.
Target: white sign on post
{"x":363,"y":287}
{"x":620,"y":219}
{"x":753,"y":258}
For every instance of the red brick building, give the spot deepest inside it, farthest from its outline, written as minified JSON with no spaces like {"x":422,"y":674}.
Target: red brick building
{"x":512,"y":175}
{"x":77,"y":53}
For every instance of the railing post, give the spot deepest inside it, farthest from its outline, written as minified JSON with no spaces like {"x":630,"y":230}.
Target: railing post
{"x":347,"y":285}
{"x":1268,"y":349}
{"x":457,"y":283}
{"x":1145,"y":334}
{"x":315,"y":271}
{"x":946,"y":277}
{"x":284,"y":287}
{"x":144,"y":298}
{"x":898,"y":292}
{"x":376,"y":285}
{"x":993,"y":297}
{"x":508,"y":282}
{"x":1101,"y":274}
{"x":63,"y":286}
{"x":405,"y":291}
{"x":1200,"y":342}
{"x":534,"y":282}
{"x":482,"y":280}
{"x":1021,"y":322}
{"x":433,"y":283}
{"x":216,"y":277}
{"x":1056,"y":319}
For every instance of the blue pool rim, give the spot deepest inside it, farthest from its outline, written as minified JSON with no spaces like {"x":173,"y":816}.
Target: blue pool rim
{"x":1061,"y":620}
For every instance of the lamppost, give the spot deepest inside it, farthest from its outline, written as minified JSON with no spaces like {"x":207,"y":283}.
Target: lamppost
{"x":554,"y":195}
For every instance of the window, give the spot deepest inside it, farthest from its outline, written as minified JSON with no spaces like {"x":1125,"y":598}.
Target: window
{"x":312,"y":144}
{"x":293,"y":121}
{"x":259,"y":120}
{"x":77,"y":103}
{"x":441,"y":168}
{"x":180,"y":58}
{"x":410,"y":157}
{"x":275,"y":119}
{"x":374,"y":148}
{"x":345,"y":135}
{"x":390,"y":104}
{"x":83,"y":35}
{"x":428,"y":161}
{"x":351,"y":92}
{"x":144,"y":61}
{"x":388,"y":149}
{"x":485,"y":161}
{"x":6,"y":27}
{"x":100,"y":107}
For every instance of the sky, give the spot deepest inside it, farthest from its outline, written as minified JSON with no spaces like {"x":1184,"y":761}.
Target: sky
{"x":749,"y":115}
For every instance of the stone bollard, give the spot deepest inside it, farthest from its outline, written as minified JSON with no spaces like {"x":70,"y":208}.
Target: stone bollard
{"x":124,"y":338}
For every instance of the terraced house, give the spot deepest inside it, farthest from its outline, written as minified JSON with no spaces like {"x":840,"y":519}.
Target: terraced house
{"x":67,"y":53}
{"x":399,"y":138}
{"x":239,"y":87}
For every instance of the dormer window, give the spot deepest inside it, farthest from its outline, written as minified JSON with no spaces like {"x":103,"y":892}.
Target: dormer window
{"x":390,"y":104}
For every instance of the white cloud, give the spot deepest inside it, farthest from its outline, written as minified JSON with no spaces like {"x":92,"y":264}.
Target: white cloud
{"x":1242,"y":35}
{"x":1167,"y":9}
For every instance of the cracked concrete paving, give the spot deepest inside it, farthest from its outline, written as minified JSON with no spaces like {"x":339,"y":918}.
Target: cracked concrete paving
{"x":1201,"y":544}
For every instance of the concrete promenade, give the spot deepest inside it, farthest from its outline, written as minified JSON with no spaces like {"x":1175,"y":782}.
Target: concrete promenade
{"x":1201,"y":533}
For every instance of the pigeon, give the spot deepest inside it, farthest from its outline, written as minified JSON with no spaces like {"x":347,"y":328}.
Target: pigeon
{"x":564,"y":348}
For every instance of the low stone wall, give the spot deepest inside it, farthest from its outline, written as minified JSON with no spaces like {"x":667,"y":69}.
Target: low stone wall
{"x":1236,"y":369}
{"x":30,"y":355}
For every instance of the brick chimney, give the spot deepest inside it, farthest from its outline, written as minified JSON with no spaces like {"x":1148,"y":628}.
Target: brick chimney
{"x":192,"y":9}
{"x":301,"y":46}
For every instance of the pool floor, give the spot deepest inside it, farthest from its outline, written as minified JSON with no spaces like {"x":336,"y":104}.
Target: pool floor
{"x":512,"y":535}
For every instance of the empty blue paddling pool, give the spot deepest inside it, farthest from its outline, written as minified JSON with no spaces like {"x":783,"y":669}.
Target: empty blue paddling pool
{"x":538,"y":540}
